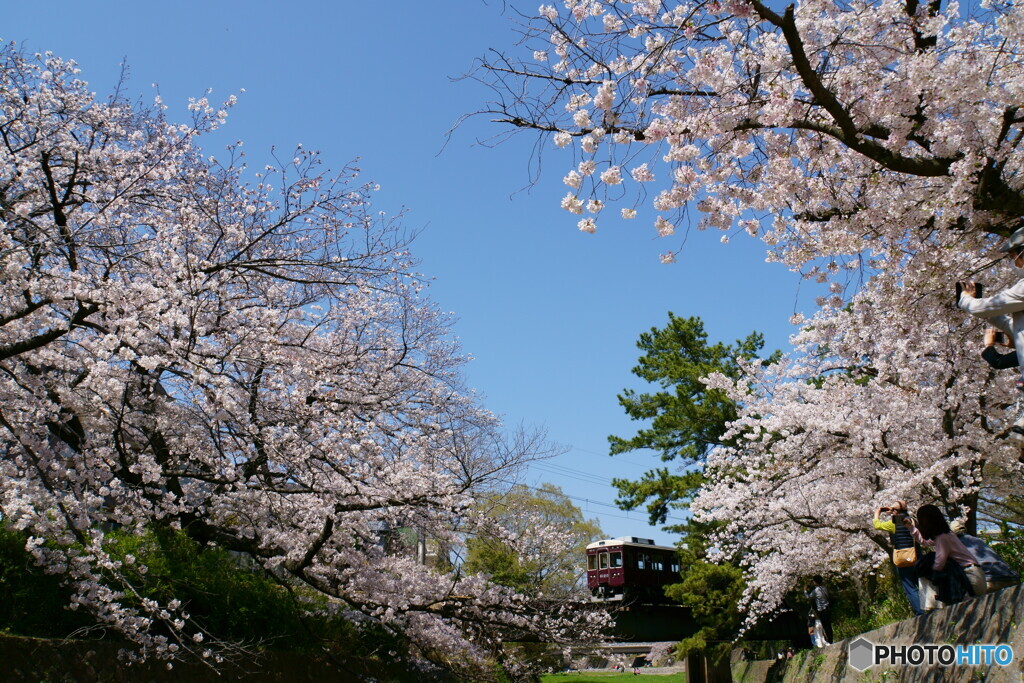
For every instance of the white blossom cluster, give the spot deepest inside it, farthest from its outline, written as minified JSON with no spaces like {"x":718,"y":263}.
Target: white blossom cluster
{"x":814,"y":127}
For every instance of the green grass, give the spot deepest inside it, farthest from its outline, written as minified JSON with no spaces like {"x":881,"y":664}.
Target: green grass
{"x":610,"y":677}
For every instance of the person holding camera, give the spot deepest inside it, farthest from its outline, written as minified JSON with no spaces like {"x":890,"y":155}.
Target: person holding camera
{"x":992,"y":355}
{"x":1003,"y":310}
{"x":904,"y":555}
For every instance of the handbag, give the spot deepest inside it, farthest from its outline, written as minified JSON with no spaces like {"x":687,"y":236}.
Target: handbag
{"x":904,"y":557}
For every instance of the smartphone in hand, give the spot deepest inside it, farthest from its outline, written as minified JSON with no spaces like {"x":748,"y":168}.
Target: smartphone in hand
{"x":978,"y":289}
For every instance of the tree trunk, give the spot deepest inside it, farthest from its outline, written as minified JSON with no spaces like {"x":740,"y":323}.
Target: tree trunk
{"x":696,"y":672}
{"x":702,"y":669}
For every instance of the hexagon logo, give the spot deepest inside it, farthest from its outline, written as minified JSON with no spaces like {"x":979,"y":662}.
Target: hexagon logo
{"x":861,"y":654}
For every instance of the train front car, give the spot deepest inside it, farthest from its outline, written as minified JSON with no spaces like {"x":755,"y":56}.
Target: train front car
{"x":630,"y":569}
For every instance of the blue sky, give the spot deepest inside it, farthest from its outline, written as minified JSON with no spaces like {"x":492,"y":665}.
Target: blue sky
{"x":550,"y":315}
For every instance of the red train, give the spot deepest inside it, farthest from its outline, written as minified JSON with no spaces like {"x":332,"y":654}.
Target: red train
{"x":630,"y":569}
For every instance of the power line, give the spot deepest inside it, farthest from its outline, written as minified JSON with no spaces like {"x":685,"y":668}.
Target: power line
{"x":584,"y":473}
{"x":617,"y":456}
{"x":574,"y":474}
{"x":590,"y":478}
{"x":589,"y":501}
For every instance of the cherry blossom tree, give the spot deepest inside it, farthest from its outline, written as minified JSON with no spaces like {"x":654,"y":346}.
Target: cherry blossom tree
{"x":818,"y":127}
{"x":254,"y":364}
{"x":874,"y":147}
{"x":876,"y":404}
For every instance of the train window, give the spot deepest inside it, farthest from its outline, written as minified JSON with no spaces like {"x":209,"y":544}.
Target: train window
{"x":604,"y":560}
{"x":591,"y":562}
{"x":675,"y":566}
{"x":656,"y":564}
{"x":616,"y":559}
{"x":641,"y":560}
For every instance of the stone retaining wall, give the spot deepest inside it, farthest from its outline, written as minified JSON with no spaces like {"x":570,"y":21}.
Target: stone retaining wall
{"x":992,"y":618}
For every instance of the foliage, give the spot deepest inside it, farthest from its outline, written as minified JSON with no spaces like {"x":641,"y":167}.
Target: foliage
{"x":885,"y":605}
{"x":33,"y":603}
{"x":924,"y":427}
{"x":223,"y":594}
{"x":539,"y":565}
{"x":712,"y":592}
{"x":709,"y":590}
{"x":254,"y":363}
{"x":686,"y":420}
{"x":1009,"y":545}
{"x":226,"y":594}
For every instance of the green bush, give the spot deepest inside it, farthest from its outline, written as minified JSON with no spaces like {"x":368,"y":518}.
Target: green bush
{"x":230,"y":596}
{"x":221,"y":593}
{"x":887,"y":604}
{"x":225,"y":594}
{"x":32,"y":603}
{"x":1009,"y":545}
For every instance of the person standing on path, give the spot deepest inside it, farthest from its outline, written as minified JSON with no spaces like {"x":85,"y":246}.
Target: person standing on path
{"x":821,"y":604}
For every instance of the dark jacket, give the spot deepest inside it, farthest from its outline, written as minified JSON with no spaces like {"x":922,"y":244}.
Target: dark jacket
{"x":902,"y":538}
{"x":999,"y":361}
{"x":951,"y":583}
